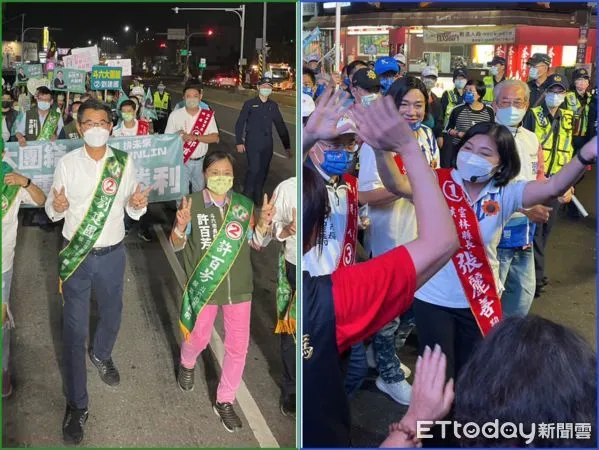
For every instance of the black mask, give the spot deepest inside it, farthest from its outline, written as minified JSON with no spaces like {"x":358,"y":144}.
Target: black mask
{"x":6,"y":104}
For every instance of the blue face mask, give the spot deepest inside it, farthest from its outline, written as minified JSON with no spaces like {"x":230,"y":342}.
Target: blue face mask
{"x":346,"y":82}
{"x":386,"y":84}
{"x":319,"y":90}
{"x":416,"y":125}
{"x":469,"y":97}
{"x":336,"y":162}
{"x":307,"y":90}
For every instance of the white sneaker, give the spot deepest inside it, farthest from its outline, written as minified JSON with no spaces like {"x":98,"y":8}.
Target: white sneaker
{"x":406,"y":370}
{"x":400,"y":392}
{"x":370,"y":357}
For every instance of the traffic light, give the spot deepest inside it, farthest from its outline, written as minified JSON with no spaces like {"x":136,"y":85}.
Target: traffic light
{"x":210,"y":32}
{"x":163,"y":45}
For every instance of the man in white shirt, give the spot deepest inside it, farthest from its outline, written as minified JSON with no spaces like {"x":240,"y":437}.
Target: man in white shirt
{"x":93,"y":187}
{"x":189,"y":122}
{"x":515,"y":250}
{"x":16,"y":189}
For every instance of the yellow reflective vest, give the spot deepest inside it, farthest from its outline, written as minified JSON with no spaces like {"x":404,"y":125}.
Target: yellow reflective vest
{"x":557,"y":150}
{"x":452,"y":103}
{"x":489,"y":81}
{"x":161,"y":103}
{"x":581,"y":113}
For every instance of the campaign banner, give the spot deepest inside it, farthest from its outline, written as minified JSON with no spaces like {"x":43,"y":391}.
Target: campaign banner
{"x":472,"y":35}
{"x":124,"y":63}
{"x":27,"y":71}
{"x":158,"y":161}
{"x":82,"y":58}
{"x":104,"y":77}
{"x":71,"y":80}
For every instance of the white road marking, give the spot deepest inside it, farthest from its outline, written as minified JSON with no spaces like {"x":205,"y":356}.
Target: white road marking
{"x":246,"y":402}
{"x":274,"y":153}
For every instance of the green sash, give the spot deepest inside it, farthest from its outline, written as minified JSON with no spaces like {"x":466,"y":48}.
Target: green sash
{"x":285,"y":302}
{"x":92,"y":224}
{"x":49,"y":127}
{"x":216,"y":263}
{"x":9,"y":193}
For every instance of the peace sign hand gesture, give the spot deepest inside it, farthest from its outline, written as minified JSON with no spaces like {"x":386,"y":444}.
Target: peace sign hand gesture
{"x":60,"y":203}
{"x":267,"y":212}
{"x":139,"y":199}
{"x":184,"y":214}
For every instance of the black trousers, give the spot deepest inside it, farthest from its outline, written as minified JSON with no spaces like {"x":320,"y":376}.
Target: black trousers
{"x":259,"y":155}
{"x":456,"y":331}
{"x":288,"y":346}
{"x":542,"y":233}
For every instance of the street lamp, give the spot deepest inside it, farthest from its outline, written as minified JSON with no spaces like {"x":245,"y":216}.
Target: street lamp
{"x":89,"y":42}
{"x":126,"y":28}
{"x":147,"y":29}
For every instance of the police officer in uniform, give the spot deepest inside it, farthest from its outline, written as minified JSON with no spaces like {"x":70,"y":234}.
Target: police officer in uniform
{"x":257,"y":118}
{"x":454,"y":97}
{"x":162,"y":104}
{"x":583,"y":105}
{"x":538,"y":75}
{"x":552,"y":123}
{"x":496,"y":76}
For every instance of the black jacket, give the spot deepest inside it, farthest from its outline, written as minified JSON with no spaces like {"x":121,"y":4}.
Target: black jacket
{"x":257,"y":118}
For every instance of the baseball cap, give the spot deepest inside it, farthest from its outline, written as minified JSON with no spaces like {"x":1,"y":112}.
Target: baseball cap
{"x":538,"y":58}
{"x":496,"y":60}
{"x":308,"y":105}
{"x":265,"y":80}
{"x":401,"y":58}
{"x":344,"y":120}
{"x":460,"y":72}
{"x":580,"y":73}
{"x":430,"y":71}
{"x":386,"y":64}
{"x":556,"y":80}
{"x":366,"y":79}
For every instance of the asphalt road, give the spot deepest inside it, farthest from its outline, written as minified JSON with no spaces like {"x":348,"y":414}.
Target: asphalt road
{"x":570,"y":300}
{"x":147,"y":409}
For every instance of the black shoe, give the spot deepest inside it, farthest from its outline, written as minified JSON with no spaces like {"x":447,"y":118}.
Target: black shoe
{"x":72,"y":425}
{"x":145,"y":235}
{"x":228,"y":416}
{"x":545,"y":281}
{"x":185,"y":378}
{"x":108,"y":371}
{"x":287,"y":406}
{"x":538,"y":291}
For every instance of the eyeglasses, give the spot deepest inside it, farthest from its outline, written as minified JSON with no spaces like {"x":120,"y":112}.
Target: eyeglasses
{"x":91,"y":123}
{"x":516,"y":104}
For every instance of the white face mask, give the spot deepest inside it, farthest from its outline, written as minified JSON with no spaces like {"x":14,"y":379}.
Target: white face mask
{"x":44,"y":106}
{"x":494,"y":70}
{"x":533,"y":73}
{"x":474,"y":168}
{"x":553,"y":100}
{"x":510,"y":117}
{"x":460,"y":84}
{"x":429,"y":83}
{"x":367,"y":100}
{"x":96,"y":137}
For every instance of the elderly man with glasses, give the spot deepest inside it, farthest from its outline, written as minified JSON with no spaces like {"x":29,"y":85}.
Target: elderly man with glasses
{"x":93,"y":187}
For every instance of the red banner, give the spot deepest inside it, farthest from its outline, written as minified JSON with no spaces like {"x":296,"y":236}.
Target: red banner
{"x":555,"y":52}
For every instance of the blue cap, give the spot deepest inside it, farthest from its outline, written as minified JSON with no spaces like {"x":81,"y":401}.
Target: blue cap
{"x":386,"y":64}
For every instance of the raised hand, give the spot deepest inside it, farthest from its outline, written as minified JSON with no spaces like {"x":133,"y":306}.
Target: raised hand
{"x":15,"y":179}
{"x":322,"y":124}
{"x":184,"y":214}
{"x":382,"y":127}
{"x":139,"y":199}
{"x":268,"y":210}
{"x":60,"y":203}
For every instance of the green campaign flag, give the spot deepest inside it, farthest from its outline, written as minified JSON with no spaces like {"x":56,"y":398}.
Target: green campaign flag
{"x":147,"y":109}
{"x":158,"y":161}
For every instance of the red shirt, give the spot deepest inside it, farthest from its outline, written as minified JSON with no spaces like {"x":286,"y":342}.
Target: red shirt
{"x":369,"y":295}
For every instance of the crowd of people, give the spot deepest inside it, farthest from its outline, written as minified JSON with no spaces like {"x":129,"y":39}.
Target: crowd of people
{"x":97,"y":198}
{"x":433,"y":214}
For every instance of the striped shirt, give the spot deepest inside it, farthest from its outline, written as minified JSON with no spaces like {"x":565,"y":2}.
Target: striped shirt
{"x":463,"y":117}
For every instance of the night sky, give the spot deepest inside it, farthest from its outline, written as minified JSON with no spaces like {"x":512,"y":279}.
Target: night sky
{"x":90,"y":21}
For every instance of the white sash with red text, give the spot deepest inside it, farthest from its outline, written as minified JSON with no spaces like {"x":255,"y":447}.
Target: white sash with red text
{"x":470,"y":261}
{"x":198,"y":130}
{"x":348,"y":250}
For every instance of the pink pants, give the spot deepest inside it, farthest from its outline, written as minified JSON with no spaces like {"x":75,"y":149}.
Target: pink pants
{"x":237,"y":338}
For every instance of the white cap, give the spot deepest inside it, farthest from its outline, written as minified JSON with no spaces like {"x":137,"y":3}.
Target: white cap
{"x":430,"y":71}
{"x":400,"y":57}
{"x":308,"y":105}
{"x":344,"y":120}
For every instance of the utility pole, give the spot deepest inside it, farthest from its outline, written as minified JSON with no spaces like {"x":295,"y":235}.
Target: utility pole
{"x":264,"y":39}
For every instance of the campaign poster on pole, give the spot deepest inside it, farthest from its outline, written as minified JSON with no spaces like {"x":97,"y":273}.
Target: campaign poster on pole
{"x":27,"y":71}
{"x":68,"y":80}
{"x":124,"y":63}
{"x":106,"y":78}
